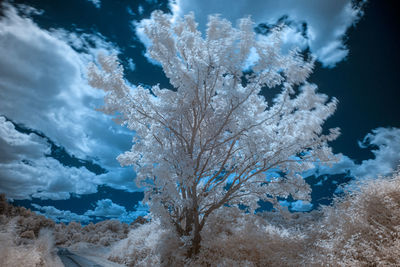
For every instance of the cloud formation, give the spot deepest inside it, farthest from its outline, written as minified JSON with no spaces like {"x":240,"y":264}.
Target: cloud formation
{"x":60,"y":215}
{"x":96,"y":3}
{"x":104,"y":209}
{"x":319,"y":25}
{"x":44,"y":87}
{"x":26,"y":170}
{"x":107,"y":208}
{"x":385,"y":144}
{"x":43,"y":82}
{"x":298,"y":205}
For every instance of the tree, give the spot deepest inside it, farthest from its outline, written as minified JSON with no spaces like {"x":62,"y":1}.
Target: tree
{"x":209,"y":142}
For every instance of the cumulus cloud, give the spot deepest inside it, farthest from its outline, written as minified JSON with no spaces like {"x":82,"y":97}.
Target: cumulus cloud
{"x":104,"y":209}
{"x":17,"y":146}
{"x":344,"y":165}
{"x":43,"y":82}
{"x":298,"y":205}
{"x":44,"y":87}
{"x":385,"y":144}
{"x":37,"y":74}
{"x":107,"y":208}
{"x":26,"y":170}
{"x":318,"y":25}
{"x":88,"y":45}
{"x":60,"y":215}
{"x":96,"y":3}
{"x":45,"y":178}
{"x":387,"y":153}
{"x":131,"y":65}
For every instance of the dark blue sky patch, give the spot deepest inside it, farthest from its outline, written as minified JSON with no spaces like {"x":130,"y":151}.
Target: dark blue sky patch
{"x":367,"y":82}
{"x":324,"y":188}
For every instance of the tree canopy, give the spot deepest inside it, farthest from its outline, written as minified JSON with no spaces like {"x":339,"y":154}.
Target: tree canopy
{"x":211,"y":140}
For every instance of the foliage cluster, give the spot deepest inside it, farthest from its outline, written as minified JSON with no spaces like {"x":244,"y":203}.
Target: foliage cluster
{"x":209,"y":141}
{"x":360,"y":229}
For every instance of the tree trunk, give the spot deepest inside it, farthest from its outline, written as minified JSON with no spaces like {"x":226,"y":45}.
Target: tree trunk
{"x":195,"y":229}
{"x":195,"y":246}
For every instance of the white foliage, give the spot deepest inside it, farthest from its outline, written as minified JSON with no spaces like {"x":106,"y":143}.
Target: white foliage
{"x":39,"y":252}
{"x":362,"y":229}
{"x":139,"y":248}
{"x":210,"y":141}
{"x":232,"y":238}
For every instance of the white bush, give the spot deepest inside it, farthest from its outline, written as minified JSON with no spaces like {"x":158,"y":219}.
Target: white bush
{"x":140,"y":247}
{"x":362,"y":229}
{"x":15,"y":253}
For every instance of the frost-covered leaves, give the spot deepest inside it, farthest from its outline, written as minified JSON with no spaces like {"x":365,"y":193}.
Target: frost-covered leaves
{"x":25,"y":249}
{"x":363,"y":229}
{"x":231,"y":238}
{"x":103,"y":233}
{"x":210,"y":141}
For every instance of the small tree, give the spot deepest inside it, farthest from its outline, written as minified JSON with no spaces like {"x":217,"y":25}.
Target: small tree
{"x":209,"y":142}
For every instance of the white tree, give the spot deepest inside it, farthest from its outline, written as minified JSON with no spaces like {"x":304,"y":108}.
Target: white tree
{"x":210,"y":141}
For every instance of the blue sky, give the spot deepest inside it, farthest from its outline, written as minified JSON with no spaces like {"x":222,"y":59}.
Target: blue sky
{"x":58,"y":153}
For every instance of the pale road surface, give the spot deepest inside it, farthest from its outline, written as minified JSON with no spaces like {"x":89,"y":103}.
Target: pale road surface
{"x":72,"y":260}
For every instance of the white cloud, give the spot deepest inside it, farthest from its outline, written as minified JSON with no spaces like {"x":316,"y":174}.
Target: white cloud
{"x":386,"y":142}
{"x":28,"y":10}
{"x":96,"y":3}
{"x":45,"y":178}
{"x":387,"y":154}
{"x":120,"y":178}
{"x":131,"y":65}
{"x":44,"y":87}
{"x":344,"y":165}
{"x":89,"y":45}
{"x":139,"y":30}
{"x":107,"y":208}
{"x":140,"y":10}
{"x":297,"y":205}
{"x":327,"y":21}
{"x":300,"y":205}
{"x":60,"y":215}
{"x":252,"y":59}
{"x":42,"y":83}
{"x":25,"y":170}
{"x":17,"y":146}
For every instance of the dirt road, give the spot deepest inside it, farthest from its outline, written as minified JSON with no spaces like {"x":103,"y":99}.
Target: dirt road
{"x":70,"y":259}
